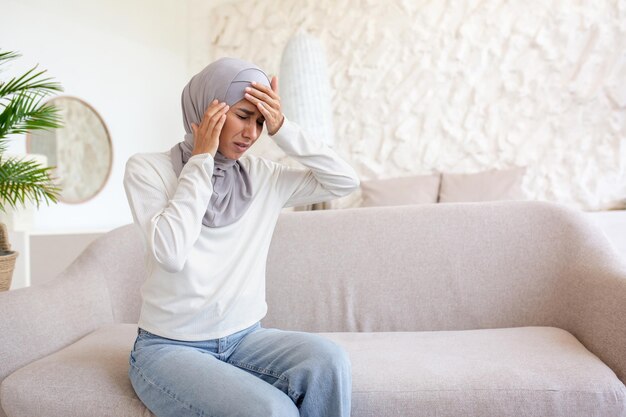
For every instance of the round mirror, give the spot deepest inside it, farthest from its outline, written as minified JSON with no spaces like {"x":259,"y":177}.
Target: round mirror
{"x":80,"y":151}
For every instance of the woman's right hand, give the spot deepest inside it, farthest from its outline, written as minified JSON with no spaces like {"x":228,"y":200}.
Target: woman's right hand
{"x":206,"y":137}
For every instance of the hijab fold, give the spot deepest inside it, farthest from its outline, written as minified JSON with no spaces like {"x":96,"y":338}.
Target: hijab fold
{"x":224,"y":80}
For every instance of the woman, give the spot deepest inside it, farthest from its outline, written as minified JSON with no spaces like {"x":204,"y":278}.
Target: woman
{"x":207,"y":213}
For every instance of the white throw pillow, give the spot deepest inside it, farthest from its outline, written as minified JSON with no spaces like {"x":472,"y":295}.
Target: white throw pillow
{"x":491,"y":185}
{"x":418,"y":189}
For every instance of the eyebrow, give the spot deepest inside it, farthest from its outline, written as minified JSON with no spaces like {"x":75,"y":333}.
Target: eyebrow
{"x":246,"y":111}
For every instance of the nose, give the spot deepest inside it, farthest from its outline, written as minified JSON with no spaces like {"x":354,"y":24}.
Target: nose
{"x":251,"y":130}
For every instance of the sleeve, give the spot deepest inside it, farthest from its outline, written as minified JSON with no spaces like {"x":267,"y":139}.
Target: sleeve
{"x":169,"y":225}
{"x":326,"y":176}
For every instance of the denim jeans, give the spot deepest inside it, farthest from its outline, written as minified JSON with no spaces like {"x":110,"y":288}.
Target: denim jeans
{"x":256,"y":372}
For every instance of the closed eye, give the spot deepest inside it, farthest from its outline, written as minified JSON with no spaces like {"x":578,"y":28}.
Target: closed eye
{"x":259,"y":121}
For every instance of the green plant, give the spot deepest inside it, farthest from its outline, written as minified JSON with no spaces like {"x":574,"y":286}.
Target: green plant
{"x":23,"y":110}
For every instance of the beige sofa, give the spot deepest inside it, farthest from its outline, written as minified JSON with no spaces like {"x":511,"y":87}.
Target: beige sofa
{"x":476,"y":309}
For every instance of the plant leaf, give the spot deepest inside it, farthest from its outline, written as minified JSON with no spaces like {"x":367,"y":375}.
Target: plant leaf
{"x":29,"y":81}
{"x":25,"y":112}
{"x":22,"y":181}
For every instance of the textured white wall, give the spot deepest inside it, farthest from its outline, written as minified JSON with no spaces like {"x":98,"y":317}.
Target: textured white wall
{"x":455,"y":86}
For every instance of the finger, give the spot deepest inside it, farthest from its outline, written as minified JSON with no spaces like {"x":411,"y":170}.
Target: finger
{"x":215,"y":113}
{"x":212,"y":110}
{"x":274,"y":84}
{"x":273,"y":104}
{"x":260,"y":95}
{"x":214,"y":120}
{"x":251,"y":98}
{"x":194,"y":128}
{"x":264,"y":111}
{"x":219,"y":126}
{"x":208,"y":121}
{"x":265,"y":89}
{"x":212,"y":105}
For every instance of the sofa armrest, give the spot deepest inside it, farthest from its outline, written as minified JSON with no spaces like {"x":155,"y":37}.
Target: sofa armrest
{"x":36,"y":321}
{"x":597,"y":309}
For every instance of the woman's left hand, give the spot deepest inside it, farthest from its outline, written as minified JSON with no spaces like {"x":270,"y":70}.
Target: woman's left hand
{"x":268,"y":102}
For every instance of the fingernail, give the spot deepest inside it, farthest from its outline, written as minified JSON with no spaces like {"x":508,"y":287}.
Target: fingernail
{"x":253,"y":82}
{"x":248,"y":89}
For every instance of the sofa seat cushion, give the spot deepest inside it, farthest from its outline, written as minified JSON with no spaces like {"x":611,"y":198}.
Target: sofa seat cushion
{"x":528,"y":371}
{"x":87,"y":378}
{"x":517,"y":372}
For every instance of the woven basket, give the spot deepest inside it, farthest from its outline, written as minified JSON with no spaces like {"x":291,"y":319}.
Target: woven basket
{"x":7,"y":259}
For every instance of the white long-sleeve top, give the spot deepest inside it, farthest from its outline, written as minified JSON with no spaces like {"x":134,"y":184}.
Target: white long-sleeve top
{"x":203,"y":282}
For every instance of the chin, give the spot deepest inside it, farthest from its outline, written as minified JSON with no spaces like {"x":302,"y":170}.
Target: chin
{"x":232,"y":155}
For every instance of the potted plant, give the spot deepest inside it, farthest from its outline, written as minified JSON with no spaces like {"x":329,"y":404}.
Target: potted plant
{"x":22,"y":109}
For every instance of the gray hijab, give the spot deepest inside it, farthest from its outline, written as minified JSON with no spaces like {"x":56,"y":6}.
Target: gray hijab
{"x":224,"y":80}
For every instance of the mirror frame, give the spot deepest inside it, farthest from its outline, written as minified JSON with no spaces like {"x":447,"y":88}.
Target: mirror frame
{"x":108,"y":136}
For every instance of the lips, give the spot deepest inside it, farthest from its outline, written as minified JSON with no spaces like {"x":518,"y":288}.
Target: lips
{"x":241,"y":146}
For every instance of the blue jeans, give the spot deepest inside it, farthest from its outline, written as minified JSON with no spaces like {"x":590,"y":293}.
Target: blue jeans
{"x":256,"y":372}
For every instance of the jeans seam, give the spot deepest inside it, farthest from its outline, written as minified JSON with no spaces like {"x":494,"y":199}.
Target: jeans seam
{"x":199,"y":413}
{"x":293,"y":394}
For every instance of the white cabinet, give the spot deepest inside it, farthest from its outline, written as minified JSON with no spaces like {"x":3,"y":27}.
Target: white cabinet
{"x":43,"y":255}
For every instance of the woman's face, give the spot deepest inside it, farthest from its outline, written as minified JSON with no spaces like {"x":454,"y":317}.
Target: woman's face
{"x":243,"y":126}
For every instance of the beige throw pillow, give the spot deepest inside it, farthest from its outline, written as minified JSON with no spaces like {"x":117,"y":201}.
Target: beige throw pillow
{"x":420,"y":189}
{"x":505,"y":184}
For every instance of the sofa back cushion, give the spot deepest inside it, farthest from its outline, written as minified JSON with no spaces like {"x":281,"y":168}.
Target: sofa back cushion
{"x":426,"y":267}
{"x":406,"y":268}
